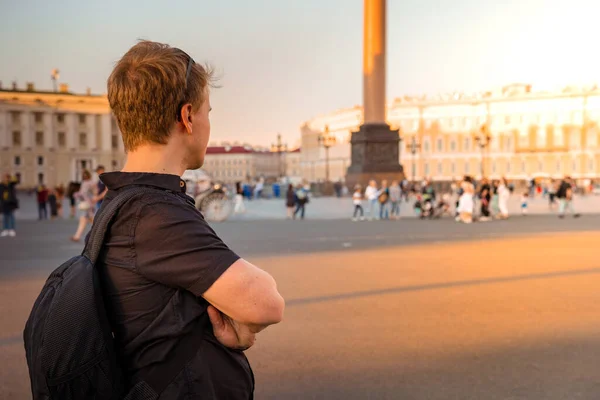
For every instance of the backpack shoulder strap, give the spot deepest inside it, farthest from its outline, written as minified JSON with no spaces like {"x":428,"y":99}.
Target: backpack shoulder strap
{"x":104,"y":218}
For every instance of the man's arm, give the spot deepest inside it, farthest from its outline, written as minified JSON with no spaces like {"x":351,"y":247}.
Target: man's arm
{"x":247,"y":295}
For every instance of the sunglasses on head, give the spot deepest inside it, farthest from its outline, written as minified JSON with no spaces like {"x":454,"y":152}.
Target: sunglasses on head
{"x":191,"y":63}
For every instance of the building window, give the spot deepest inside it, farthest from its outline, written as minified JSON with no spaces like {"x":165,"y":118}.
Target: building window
{"x":558,"y":137}
{"x":558,"y":167}
{"x":493,"y":167}
{"x":114,"y":142}
{"x":16,"y":136}
{"x":18,"y":175}
{"x":82,"y":140}
{"x":592,"y":138}
{"x":467,"y":144}
{"x":508,"y":144}
{"x":82,"y":119}
{"x":426,"y":169}
{"x":440,"y":145}
{"x":540,"y":165}
{"x":17,"y":161}
{"x":15,"y":117}
{"x":523,"y":139}
{"x":507,"y":119}
{"x":439,"y":168}
{"x":60,"y":118}
{"x":466,"y":167}
{"x":40,"y":178}
{"x":426,"y":146}
{"x":62,"y":140}
{"x":591,"y":165}
{"x":453,"y":145}
{"x":453,"y":168}
{"x":574,"y":139}
{"x":39,"y":117}
{"x":508,"y":167}
{"x":40,"y":160}
{"x":39,"y":138}
{"x":523,"y":166}
{"x":574,"y":165}
{"x":541,"y":138}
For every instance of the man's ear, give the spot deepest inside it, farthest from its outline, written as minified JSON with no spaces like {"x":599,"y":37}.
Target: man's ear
{"x":186,"y":118}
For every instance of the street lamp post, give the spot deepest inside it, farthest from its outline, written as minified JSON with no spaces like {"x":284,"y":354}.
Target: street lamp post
{"x":326,"y":140}
{"x":414,"y":147}
{"x":279,"y":148}
{"x":483,"y":140}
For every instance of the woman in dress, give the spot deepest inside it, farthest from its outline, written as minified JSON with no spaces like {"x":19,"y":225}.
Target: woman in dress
{"x":465,"y":202}
{"x":87,"y":201}
{"x":503,"y":196}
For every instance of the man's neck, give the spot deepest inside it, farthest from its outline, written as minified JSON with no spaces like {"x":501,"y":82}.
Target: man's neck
{"x":160,"y":159}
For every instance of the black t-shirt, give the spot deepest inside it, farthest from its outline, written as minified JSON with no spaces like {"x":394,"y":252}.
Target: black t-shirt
{"x":160,"y":256}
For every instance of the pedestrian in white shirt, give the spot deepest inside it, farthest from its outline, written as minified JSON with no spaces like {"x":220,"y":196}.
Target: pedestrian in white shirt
{"x":371,"y":193}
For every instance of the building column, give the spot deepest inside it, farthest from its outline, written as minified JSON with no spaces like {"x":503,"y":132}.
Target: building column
{"x":91,"y":131}
{"x":5,"y":135}
{"x":106,"y":133}
{"x":27,"y":132}
{"x":50,"y":139}
{"x":374,"y":61}
{"x":71,"y":123}
{"x":374,"y":147}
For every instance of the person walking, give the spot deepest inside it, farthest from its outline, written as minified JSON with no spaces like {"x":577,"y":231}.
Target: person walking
{"x":290,"y":201}
{"x":42,"y":202}
{"x":52,"y":203}
{"x":565,"y":196}
{"x":371,"y":193}
{"x":552,"y":189}
{"x":503,"y":197}
{"x":87,"y":203}
{"x":302,"y":201}
{"x":395,"y":199}
{"x":357,"y":198}
{"x":100,"y":186}
{"x":60,"y":198}
{"x":8,"y":204}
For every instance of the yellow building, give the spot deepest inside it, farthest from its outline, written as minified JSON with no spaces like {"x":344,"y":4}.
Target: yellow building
{"x":51,"y":137}
{"x":514,"y":132}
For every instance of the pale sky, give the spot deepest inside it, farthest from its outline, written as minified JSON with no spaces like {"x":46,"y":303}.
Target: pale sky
{"x":283,"y":62}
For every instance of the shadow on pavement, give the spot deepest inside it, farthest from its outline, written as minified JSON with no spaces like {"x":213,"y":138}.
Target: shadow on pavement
{"x":441,"y":285}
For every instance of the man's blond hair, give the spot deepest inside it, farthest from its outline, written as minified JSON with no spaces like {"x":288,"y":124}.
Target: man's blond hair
{"x":147,"y":88}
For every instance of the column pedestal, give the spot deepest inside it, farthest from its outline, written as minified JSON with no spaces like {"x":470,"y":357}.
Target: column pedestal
{"x":374,"y":149}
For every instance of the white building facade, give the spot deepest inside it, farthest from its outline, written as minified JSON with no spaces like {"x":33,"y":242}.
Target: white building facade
{"x":531,"y":134}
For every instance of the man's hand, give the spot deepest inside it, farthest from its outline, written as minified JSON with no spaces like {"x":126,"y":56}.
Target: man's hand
{"x":231,"y":333}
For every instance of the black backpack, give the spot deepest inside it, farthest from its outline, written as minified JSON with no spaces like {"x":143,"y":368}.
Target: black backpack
{"x":69,"y":343}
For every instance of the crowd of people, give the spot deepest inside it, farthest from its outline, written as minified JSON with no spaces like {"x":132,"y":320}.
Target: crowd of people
{"x":84,"y":197}
{"x":466,"y":201}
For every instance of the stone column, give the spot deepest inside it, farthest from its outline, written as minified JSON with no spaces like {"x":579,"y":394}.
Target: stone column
{"x":27,"y":131}
{"x":72,"y":137}
{"x":374,"y":147}
{"x":374,"y":62}
{"x":91,"y":131}
{"x":50,"y":140}
{"x":5,"y":134}
{"x":106,"y":133}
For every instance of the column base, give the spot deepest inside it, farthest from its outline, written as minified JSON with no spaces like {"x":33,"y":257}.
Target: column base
{"x":375,"y":155}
